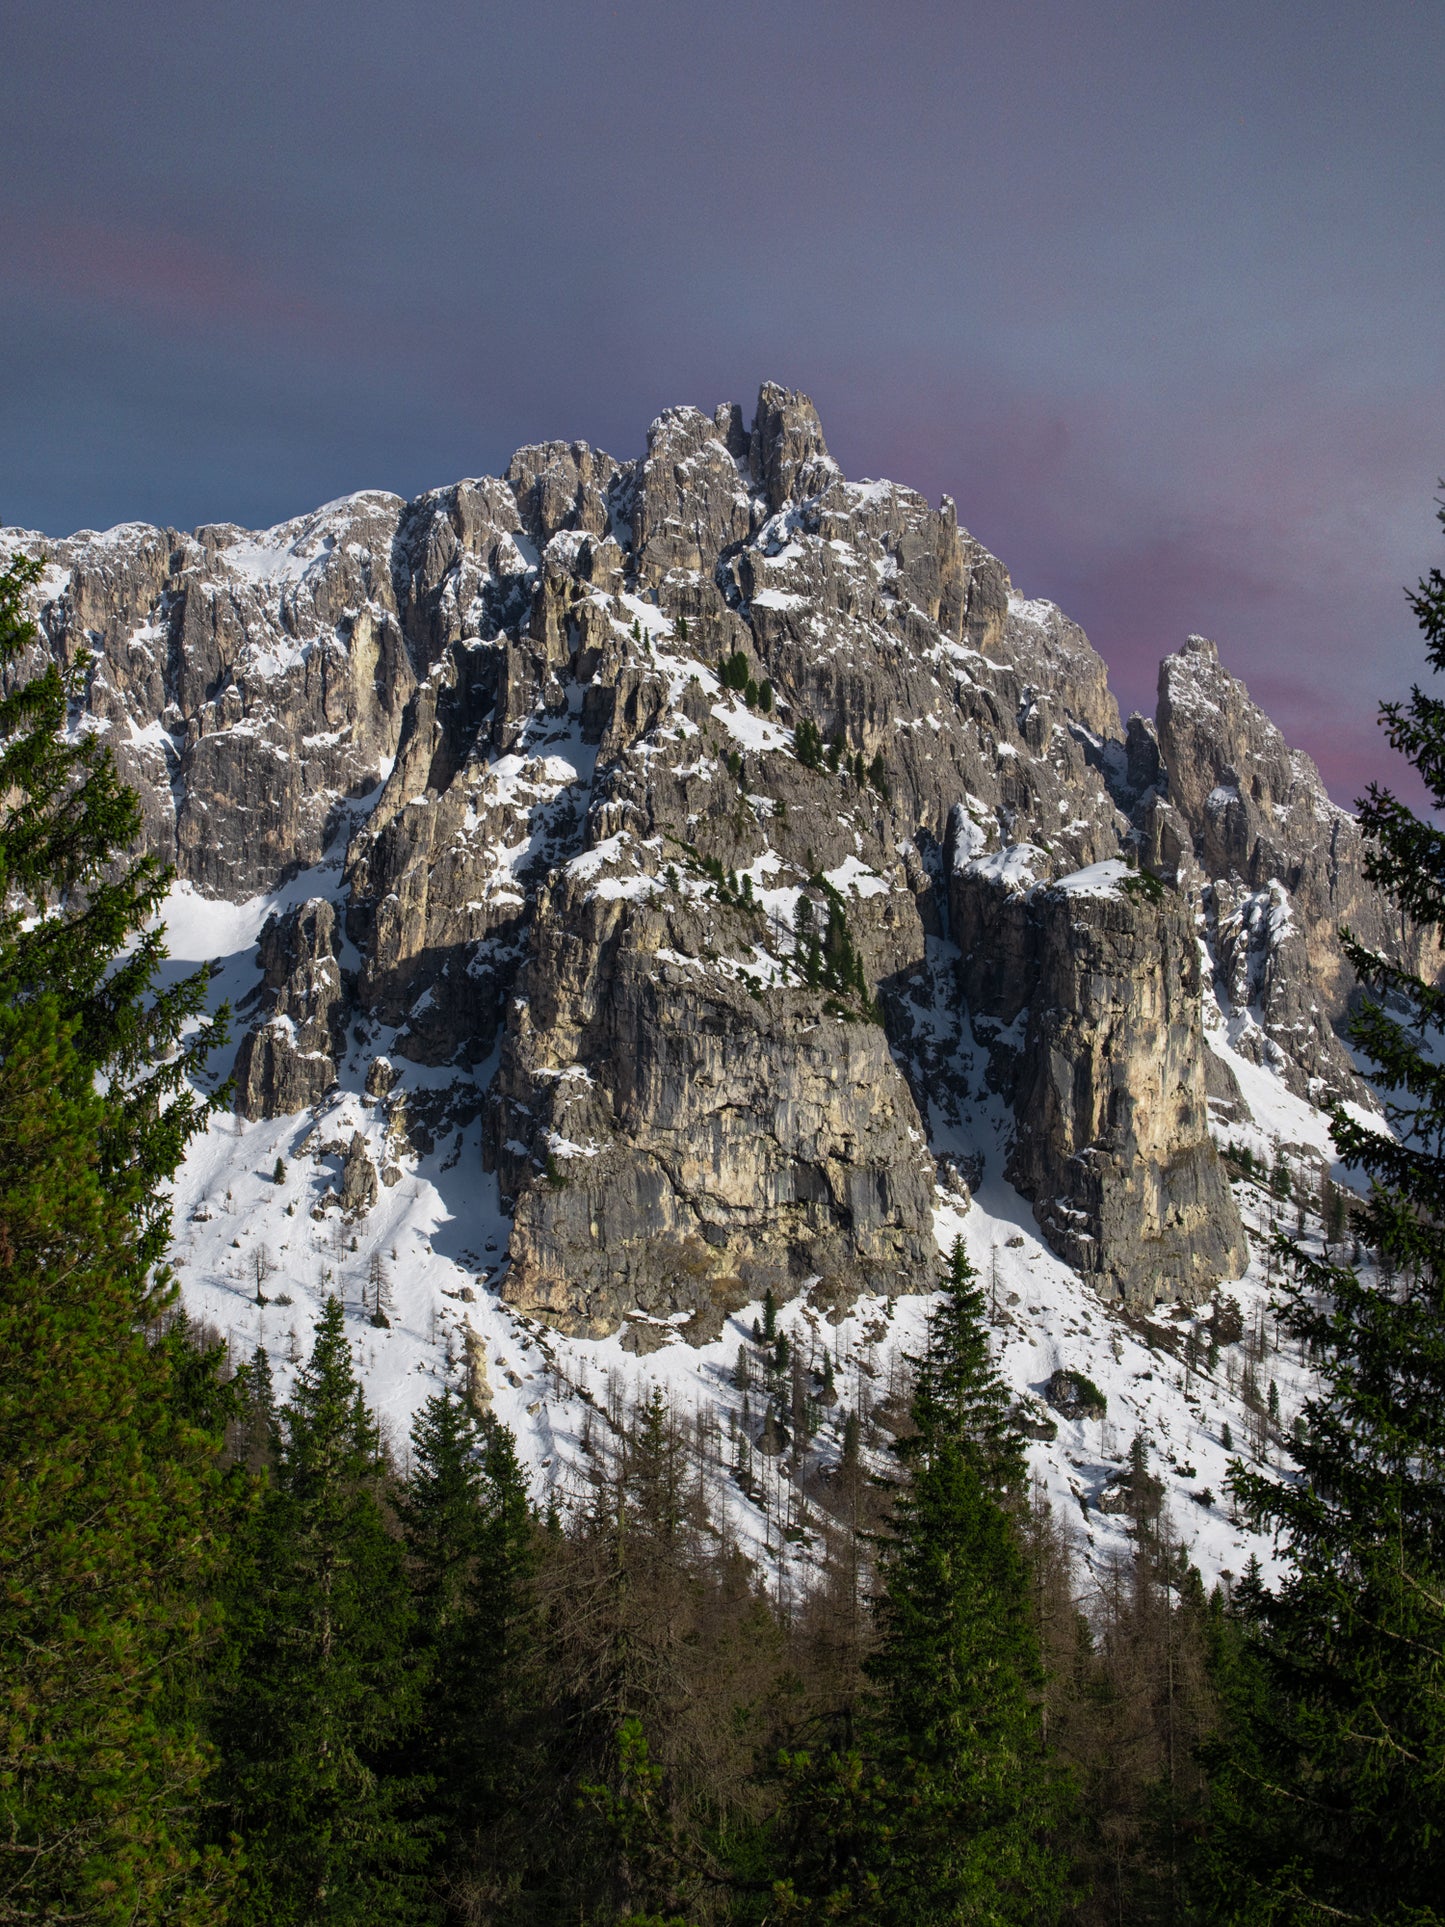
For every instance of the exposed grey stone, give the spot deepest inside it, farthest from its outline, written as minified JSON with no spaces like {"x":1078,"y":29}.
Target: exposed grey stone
{"x":407,"y":683}
{"x":287,"y":1061}
{"x":1285,"y":866}
{"x":358,"y":1178}
{"x":1108,"y":1079}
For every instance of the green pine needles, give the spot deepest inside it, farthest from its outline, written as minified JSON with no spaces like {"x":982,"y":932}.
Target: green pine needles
{"x":110,"y":1494}
{"x":322,"y":1681}
{"x":1330,"y":1796}
{"x":947,"y":1807}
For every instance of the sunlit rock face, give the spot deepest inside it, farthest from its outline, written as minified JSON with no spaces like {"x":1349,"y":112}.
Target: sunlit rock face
{"x":735,"y":841}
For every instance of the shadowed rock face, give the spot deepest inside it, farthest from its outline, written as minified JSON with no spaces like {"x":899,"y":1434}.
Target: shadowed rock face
{"x":1105,"y":1062}
{"x":1279,"y":869}
{"x":287,"y":1059}
{"x":550,"y":841}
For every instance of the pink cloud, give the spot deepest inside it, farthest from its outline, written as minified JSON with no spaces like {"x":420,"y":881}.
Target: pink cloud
{"x":169,"y":276}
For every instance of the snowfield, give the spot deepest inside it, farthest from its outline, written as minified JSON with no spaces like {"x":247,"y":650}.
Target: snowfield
{"x":256,"y":1259}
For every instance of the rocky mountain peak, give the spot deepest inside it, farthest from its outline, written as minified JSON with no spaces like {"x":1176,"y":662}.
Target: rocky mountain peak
{"x":787,"y":455}
{"x":734,"y":850}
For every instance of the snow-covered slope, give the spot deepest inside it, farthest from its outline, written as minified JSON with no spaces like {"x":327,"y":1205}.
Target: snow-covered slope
{"x":642,"y":885}
{"x":441,"y":1236}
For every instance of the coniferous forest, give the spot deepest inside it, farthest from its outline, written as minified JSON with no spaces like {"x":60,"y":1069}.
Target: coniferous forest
{"x":260,"y":1664}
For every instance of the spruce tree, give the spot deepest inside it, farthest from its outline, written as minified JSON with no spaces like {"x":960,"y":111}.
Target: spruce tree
{"x":958,"y":1391}
{"x":257,"y":1419}
{"x":946,"y":1812}
{"x":1330,"y":1797}
{"x":471,"y":1539}
{"x":78,"y":928}
{"x":109,"y":1486}
{"x":320,"y":1690}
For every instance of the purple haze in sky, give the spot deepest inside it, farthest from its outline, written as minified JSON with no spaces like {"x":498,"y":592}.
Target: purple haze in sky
{"x":1155,"y":291}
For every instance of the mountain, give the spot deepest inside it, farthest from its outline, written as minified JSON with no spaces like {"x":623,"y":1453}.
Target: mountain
{"x":645,"y":885}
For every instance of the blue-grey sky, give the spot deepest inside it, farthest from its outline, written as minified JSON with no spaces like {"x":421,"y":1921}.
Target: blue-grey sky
{"x":1155,"y":290}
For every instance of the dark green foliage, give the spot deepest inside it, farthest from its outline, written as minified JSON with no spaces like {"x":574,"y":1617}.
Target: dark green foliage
{"x":765,"y":698}
{"x":834,"y":963}
{"x":257,"y":1421}
{"x":1330,"y":1797}
{"x":1240,"y":1159}
{"x":1076,"y":1395}
{"x":1144,"y":885}
{"x":322,"y":1684}
{"x":1145,"y":1489}
{"x":808,"y":743}
{"x":944,"y":1812}
{"x":959,"y":1393}
{"x":1226,"y":1322}
{"x":472,"y":1543}
{"x":1334,"y":1211}
{"x":91,"y":952}
{"x":726,"y":886}
{"x":735,"y":672}
{"x":111,"y":1502}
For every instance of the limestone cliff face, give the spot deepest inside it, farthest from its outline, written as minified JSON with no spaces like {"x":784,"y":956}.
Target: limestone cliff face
{"x":702,"y":1138}
{"x":1099,"y":979}
{"x":248,"y":685}
{"x":288,"y":1057}
{"x":666,"y":927}
{"x":1277,"y":869}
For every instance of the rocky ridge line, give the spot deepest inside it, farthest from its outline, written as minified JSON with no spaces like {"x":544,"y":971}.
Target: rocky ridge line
{"x":727,"y":960}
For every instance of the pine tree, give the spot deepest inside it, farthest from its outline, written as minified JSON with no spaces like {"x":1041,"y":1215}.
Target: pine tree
{"x":258,"y":1421}
{"x":110,"y":1496}
{"x":945,"y":1813}
{"x":77,"y":927}
{"x":471,"y":1539}
{"x":321,"y":1689}
{"x":1330,"y":1800}
{"x":959,"y":1392}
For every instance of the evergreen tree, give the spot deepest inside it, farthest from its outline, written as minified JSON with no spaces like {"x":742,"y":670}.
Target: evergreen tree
{"x":78,"y":930}
{"x":945,"y":1813}
{"x":471,"y":1538}
{"x":257,"y":1419}
{"x":109,"y":1487}
{"x":959,"y":1392}
{"x":321,"y":1688}
{"x":1330,"y":1798}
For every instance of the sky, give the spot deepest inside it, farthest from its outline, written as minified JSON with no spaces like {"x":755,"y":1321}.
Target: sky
{"x":1155,"y":291}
